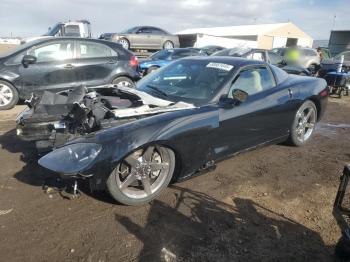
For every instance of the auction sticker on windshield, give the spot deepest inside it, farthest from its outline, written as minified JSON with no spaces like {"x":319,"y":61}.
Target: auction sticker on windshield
{"x":221,"y":66}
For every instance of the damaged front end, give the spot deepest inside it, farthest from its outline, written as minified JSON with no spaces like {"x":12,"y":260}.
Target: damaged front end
{"x":56,"y":118}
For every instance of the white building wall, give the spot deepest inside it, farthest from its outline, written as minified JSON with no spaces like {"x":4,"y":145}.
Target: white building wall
{"x":204,"y":40}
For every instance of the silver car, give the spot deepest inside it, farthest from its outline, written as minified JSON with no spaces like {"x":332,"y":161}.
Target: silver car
{"x":145,"y":37}
{"x":309,"y":58}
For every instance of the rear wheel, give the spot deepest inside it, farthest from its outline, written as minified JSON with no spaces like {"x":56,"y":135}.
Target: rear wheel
{"x":304,"y":124}
{"x":123,"y":81}
{"x":168,"y":45}
{"x":142,"y":176}
{"x":8,"y":95}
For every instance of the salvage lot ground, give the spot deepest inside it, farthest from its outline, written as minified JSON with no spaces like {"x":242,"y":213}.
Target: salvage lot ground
{"x":271,"y":204}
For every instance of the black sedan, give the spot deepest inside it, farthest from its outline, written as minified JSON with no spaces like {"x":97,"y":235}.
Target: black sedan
{"x":180,"y":120}
{"x":58,"y":63}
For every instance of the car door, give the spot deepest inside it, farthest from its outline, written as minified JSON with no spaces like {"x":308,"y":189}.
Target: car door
{"x":51,"y":70}
{"x":157,"y":38}
{"x":142,"y":38}
{"x":266,"y":114}
{"x":95,"y":63}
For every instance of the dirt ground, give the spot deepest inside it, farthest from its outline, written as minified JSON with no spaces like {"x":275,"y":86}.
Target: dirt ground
{"x":271,"y":204}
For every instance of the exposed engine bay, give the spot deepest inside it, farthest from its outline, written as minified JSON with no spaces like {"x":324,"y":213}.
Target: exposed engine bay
{"x":53,"y":119}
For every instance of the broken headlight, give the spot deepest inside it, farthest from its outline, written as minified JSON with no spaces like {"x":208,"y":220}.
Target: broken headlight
{"x":71,"y":159}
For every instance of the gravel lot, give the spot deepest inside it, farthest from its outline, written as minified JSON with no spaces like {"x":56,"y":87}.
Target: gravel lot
{"x":271,"y":204}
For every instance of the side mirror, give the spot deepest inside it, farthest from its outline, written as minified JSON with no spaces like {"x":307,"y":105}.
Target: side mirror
{"x":28,"y":60}
{"x":238,"y":97}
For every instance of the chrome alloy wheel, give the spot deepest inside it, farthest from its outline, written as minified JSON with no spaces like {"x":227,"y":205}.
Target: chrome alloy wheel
{"x":306,"y":121}
{"x":144,"y":172}
{"x":168,"y":45}
{"x":124,"y":43}
{"x":6,"y":95}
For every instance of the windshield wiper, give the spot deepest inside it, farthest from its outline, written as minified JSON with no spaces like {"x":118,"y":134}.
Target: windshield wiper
{"x":157,"y":90}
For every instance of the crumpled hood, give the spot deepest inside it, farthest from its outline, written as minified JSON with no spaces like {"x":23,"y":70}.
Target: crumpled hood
{"x":151,"y":104}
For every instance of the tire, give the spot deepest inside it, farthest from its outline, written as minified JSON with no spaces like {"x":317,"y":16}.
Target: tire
{"x":151,"y":69}
{"x":125,"y":43}
{"x":133,"y":182}
{"x":342,"y":250}
{"x":123,"y":81}
{"x":168,"y":45}
{"x":313,"y":68}
{"x":304,"y":124}
{"x":8,"y":95}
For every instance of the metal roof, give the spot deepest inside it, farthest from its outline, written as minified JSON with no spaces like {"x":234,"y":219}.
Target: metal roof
{"x":242,"y":30}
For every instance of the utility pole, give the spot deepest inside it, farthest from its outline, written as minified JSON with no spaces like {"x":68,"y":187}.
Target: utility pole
{"x":334,"y":17}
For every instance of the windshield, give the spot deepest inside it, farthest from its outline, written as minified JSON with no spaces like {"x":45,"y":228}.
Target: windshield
{"x":129,"y":31}
{"x":53,"y":31}
{"x":162,"y":55}
{"x":189,"y":80}
{"x":237,"y":51}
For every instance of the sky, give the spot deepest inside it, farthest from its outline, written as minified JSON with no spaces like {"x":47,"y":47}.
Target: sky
{"x":33,"y":17}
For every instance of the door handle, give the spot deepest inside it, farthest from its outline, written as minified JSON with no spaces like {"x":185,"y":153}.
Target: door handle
{"x":68,"y":66}
{"x":290,"y":91}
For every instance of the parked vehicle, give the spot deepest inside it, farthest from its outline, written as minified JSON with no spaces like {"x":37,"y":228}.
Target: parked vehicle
{"x":211,"y":49}
{"x":304,"y":57}
{"x":144,"y":37}
{"x":264,"y":55}
{"x":60,"y":63}
{"x":164,"y":57}
{"x":79,"y":28}
{"x":180,"y":120}
{"x":331,"y":65}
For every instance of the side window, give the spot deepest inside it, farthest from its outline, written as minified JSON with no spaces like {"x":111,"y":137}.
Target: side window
{"x":256,"y":56}
{"x":156,"y":31}
{"x":94,"y":50}
{"x":144,"y":30}
{"x":275,"y":59}
{"x":71,"y":30}
{"x":253,"y":80}
{"x":53,"y":52}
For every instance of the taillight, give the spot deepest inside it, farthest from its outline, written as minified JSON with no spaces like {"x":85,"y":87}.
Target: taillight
{"x":324,"y":92}
{"x":134,"y":62}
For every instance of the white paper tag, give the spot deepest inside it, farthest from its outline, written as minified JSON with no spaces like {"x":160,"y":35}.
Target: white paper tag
{"x":221,"y":66}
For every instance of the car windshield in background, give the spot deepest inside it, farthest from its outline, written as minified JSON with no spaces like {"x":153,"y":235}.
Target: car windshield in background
{"x":238,"y":52}
{"x":53,"y":31}
{"x":162,"y":55}
{"x":192,"y":81}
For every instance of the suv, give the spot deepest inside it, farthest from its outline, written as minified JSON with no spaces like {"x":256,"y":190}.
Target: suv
{"x":61,"y":63}
{"x":308,"y":57}
{"x":144,"y":37}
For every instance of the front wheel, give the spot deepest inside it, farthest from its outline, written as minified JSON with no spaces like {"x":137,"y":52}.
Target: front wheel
{"x":8,"y":95}
{"x":142,"y":176}
{"x":304,"y":124}
{"x":123,"y":81}
{"x":125,"y":43}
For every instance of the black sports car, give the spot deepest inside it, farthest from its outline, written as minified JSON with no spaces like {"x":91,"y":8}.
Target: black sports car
{"x":179,"y":120}
{"x":56,"y":63}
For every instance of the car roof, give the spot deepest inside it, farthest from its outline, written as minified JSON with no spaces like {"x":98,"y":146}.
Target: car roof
{"x":235,"y":61}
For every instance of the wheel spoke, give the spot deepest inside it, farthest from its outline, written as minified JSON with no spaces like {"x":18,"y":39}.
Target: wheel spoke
{"x":132,"y":161}
{"x":158,"y":166}
{"x":309,"y":125}
{"x":128,"y":180}
{"x":146,"y":185}
{"x":147,"y":155}
{"x":308,"y":114}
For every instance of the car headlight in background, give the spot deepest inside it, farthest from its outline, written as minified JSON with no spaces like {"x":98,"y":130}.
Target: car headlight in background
{"x":71,"y":159}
